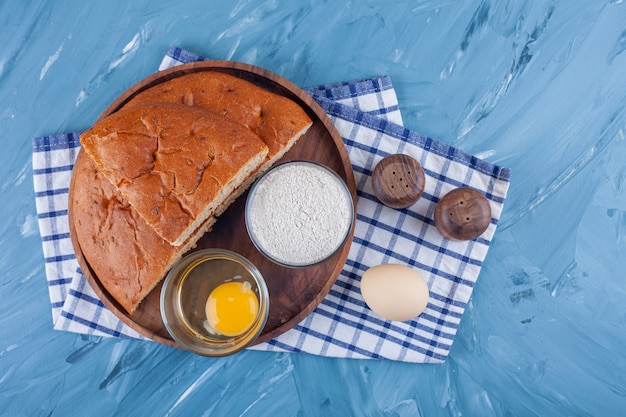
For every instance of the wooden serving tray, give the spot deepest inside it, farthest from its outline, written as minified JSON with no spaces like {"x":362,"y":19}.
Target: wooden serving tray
{"x":294,"y":293}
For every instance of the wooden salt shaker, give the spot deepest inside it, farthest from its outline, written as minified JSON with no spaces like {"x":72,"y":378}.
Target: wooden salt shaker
{"x":398,"y":181}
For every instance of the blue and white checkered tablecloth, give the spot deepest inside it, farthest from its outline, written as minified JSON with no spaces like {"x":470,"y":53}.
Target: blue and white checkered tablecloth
{"x":368,"y":119}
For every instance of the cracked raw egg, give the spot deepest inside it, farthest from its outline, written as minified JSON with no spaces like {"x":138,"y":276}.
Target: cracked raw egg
{"x":231,"y":308}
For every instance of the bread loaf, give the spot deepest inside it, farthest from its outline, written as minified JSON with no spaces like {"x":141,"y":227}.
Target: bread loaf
{"x":175,"y":164}
{"x":278,"y":121}
{"x":125,"y":253}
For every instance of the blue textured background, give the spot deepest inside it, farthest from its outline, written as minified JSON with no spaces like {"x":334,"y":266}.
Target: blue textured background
{"x":537,"y":86}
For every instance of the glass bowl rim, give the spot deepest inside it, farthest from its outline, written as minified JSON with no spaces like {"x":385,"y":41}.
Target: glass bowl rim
{"x":169,"y":304}
{"x":280,"y":165}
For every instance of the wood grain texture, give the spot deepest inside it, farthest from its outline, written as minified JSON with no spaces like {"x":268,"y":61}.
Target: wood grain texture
{"x":398,"y":181}
{"x":294,"y":293}
{"x":462,"y":214}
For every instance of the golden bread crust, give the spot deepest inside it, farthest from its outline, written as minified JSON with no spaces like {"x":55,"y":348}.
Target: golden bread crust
{"x":173,"y":163}
{"x":124,"y":252}
{"x":274,"y":118}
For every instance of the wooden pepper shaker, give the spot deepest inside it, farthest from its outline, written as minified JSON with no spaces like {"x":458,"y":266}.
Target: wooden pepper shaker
{"x":463,"y":214}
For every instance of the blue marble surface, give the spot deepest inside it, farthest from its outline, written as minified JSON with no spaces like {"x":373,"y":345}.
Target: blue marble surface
{"x":536,"y":86}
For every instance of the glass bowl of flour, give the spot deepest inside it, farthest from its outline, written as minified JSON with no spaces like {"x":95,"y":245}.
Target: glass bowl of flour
{"x":299,"y":213}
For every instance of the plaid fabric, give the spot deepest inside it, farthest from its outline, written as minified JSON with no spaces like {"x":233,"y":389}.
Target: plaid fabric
{"x":375,"y":96}
{"x":367,"y":117}
{"x":75,"y":307}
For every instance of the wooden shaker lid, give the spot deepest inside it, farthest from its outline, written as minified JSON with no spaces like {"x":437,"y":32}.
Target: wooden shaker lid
{"x":463,"y":214}
{"x":398,"y":181}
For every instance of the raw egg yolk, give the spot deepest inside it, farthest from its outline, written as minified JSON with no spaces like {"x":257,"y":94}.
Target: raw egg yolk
{"x":231,"y":308}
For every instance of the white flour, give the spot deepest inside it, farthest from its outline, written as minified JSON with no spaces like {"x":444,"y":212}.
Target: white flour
{"x":299,"y":213}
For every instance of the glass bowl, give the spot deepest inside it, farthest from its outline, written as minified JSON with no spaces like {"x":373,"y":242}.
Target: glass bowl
{"x":184,"y":305}
{"x":299,"y":213}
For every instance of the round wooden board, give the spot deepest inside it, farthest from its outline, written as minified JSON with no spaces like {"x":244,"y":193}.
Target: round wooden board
{"x":294,"y":293}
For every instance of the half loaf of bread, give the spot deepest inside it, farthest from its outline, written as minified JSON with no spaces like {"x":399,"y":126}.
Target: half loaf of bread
{"x":278,"y":121}
{"x":175,"y":164}
{"x":125,"y":253}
